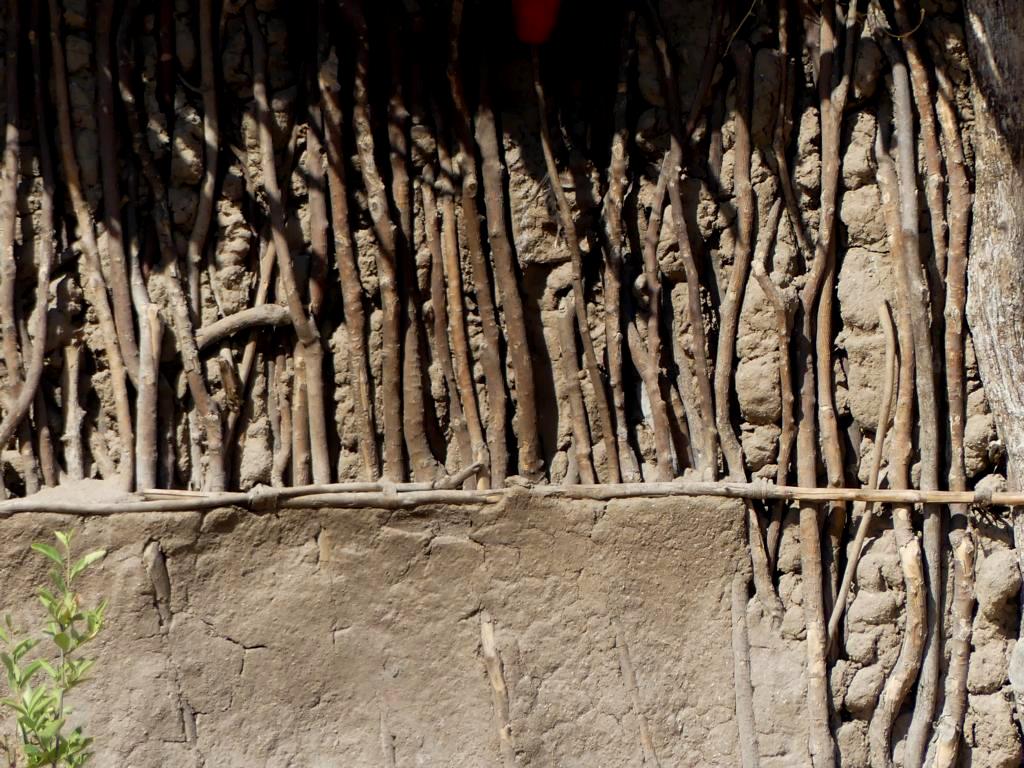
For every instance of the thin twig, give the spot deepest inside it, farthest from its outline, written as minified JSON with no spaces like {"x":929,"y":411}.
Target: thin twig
{"x":577,"y":409}
{"x":884,"y":408}
{"x":438,"y":301}
{"x":245,"y":319}
{"x":422,"y":463}
{"x":744,"y":689}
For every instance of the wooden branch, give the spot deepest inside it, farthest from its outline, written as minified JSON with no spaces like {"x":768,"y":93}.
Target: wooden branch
{"x":641,"y":357}
{"x":318,"y":218}
{"x":612,"y":273}
{"x":743,"y":193}
{"x":576,"y":258}
{"x":903,"y":674}
{"x":577,"y":409}
{"x":744,"y":689}
{"x":438,"y":302}
{"x":490,"y":359}
{"x":456,"y":309}
{"x":92,"y":274}
{"x":300,"y":420}
{"x":211,"y":141}
{"x":766,"y":238}
{"x":950,"y":726}
{"x":823,"y":269}
{"x":928,"y":440}
{"x":26,"y":390}
{"x":704,"y":409}
{"x":492,"y":171}
{"x":884,"y":408}
{"x":386,"y":253}
{"x":499,"y":690}
{"x":74,"y":457}
{"x":146,"y":406}
{"x":116,"y":263}
{"x":782,"y":132}
{"x":279,"y":383}
{"x":954,"y":710}
{"x":348,"y":273}
{"x":633,"y":689}
{"x":305,"y":329}
{"x":206,"y":407}
{"x":422,"y":463}
{"x":21,"y":394}
{"x":245,"y":319}
{"x":8,"y":224}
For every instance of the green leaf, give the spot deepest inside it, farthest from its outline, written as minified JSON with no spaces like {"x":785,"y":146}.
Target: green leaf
{"x":86,"y":561}
{"x":50,"y":551}
{"x":12,"y":704}
{"x":64,"y":538}
{"x":63,"y":641}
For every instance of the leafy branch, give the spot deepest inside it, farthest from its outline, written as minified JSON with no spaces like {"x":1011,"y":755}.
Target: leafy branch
{"x":38,"y":686}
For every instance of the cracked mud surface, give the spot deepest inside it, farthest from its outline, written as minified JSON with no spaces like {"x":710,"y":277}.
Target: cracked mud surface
{"x":353,"y":638}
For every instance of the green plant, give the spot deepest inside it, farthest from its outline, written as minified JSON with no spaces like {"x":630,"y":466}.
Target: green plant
{"x":38,"y":686}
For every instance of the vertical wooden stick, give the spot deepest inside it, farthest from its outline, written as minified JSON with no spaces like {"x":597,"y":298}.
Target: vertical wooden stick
{"x":950,"y":725}
{"x":305,"y":329}
{"x":456,"y":310}
{"x":211,"y":143}
{"x":92,"y":273}
{"x":438,"y":301}
{"x":117,"y":272}
{"x":577,"y":408}
{"x":917,"y":289}
{"x":348,"y":272}
{"x":569,"y":228}
{"x":612,"y":274}
{"x":492,"y":171}
{"x":743,"y":192}
{"x":903,"y":674}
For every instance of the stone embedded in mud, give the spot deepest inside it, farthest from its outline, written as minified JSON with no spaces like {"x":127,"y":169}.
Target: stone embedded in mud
{"x":991,"y":732}
{"x":979,"y":436}
{"x":869,"y":608}
{"x":861,"y":646}
{"x":862,"y":695}
{"x":998,"y":581}
{"x":989,"y":666}
{"x":852,"y":740}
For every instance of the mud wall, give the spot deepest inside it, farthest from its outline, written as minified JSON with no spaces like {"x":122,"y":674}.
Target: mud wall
{"x":353,"y":638}
{"x":294,"y":580}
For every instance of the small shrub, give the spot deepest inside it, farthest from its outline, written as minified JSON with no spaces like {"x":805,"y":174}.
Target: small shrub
{"x":39,"y":683}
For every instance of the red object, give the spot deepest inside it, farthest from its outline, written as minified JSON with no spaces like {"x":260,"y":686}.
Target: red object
{"x":535,"y":19}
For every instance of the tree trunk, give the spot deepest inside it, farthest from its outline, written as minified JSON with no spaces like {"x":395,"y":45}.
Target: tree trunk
{"x":995,"y":303}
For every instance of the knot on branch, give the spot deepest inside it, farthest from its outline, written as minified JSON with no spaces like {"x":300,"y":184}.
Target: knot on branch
{"x":263,"y":498}
{"x":983,"y":497}
{"x":762,"y":488}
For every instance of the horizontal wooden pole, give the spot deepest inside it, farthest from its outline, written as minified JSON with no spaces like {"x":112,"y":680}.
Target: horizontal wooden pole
{"x":407,"y":495}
